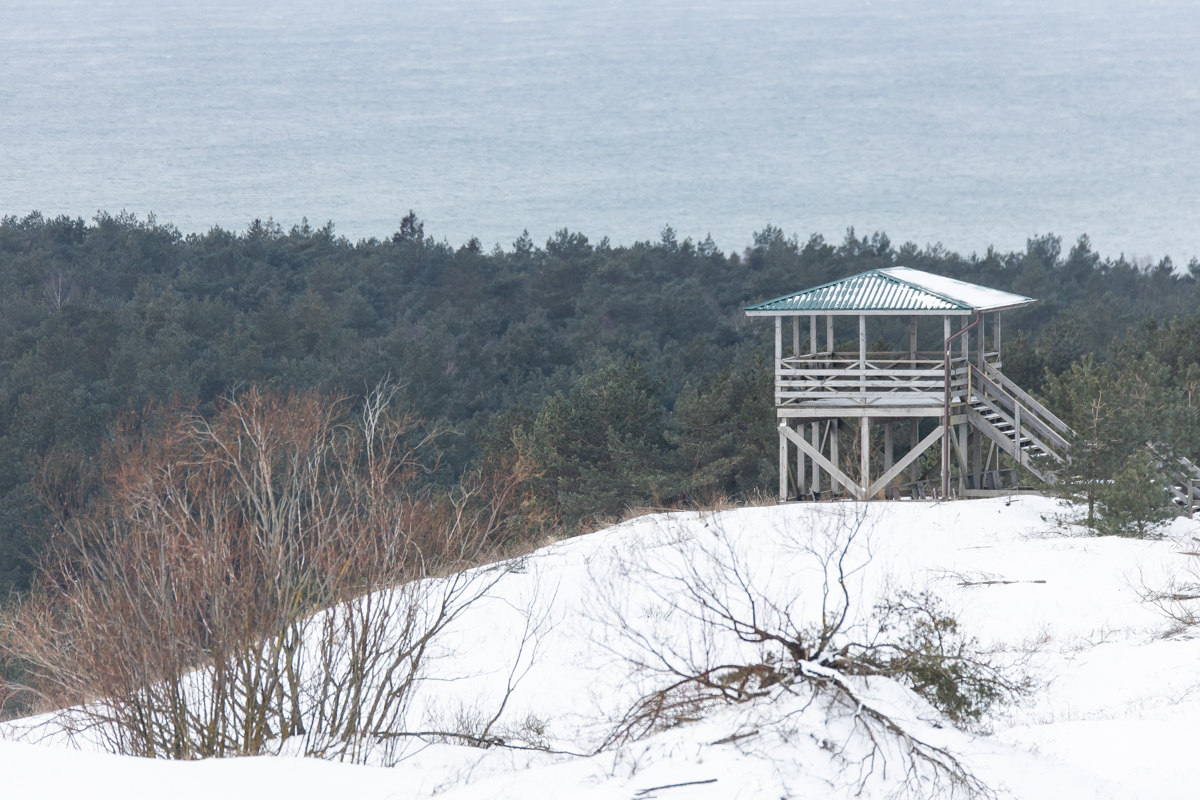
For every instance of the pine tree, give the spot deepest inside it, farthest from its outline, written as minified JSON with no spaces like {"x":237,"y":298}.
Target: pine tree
{"x":1137,"y":501}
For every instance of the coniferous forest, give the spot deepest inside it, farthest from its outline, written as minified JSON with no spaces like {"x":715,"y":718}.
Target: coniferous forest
{"x":627,"y":374}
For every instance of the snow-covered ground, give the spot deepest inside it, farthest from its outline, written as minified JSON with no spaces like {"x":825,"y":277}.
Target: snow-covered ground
{"x":1112,"y":717}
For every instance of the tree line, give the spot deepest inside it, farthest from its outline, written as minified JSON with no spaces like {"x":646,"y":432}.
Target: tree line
{"x":627,"y":372}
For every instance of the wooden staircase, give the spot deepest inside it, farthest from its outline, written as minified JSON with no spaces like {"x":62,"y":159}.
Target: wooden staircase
{"x":1018,"y":424}
{"x":1184,"y":483}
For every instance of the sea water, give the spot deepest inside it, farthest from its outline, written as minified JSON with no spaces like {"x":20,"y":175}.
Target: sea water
{"x":972,"y":124}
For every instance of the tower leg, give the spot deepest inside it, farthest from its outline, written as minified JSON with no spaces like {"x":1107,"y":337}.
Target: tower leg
{"x":977,"y":456}
{"x":914,"y":439}
{"x":887,"y":450}
{"x":865,"y":459}
{"x":783,"y":463}
{"x":833,"y":455}
{"x":800,"y":459}
{"x":816,"y":441}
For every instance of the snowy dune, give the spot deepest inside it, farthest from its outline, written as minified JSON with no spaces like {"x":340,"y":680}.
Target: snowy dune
{"x":1113,"y":716}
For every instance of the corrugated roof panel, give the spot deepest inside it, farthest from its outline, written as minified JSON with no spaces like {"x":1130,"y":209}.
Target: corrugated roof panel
{"x":898,"y":289}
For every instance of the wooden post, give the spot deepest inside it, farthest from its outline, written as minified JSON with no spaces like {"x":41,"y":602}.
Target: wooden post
{"x":829,"y":343}
{"x":887,"y":449}
{"x":977,"y":456}
{"x":962,"y":451}
{"x":783,"y":461}
{"x":833,"y":455}
{"x":816,"y":441}
{"x":976,"y":434}
{"x":865,"y":459}
{"x":946,"y":411}
{"x":862,"y":354}
{"x":783,"y":443}
{"x":778,"y":345}
{"x":914,"y":439}
{"x":795,"y":336}
{"x":996,"y":337}
{"x":800,"y":459}
{"x":914,"y":424}
{"x":982,"y":338}
{"x":816,"y":428}
{"x":912,"y":340}
{"x":962,"y":428}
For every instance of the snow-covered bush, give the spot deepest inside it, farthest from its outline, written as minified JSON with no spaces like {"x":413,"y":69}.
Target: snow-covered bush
{"x":729,"y":629}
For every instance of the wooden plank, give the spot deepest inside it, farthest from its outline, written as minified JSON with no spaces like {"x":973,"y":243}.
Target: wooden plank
{"x":822,"y":460}
{"x":830,"y":412}
{"x":848,"y":372}
{"x":909,"y":457}
{"x":852,"y":396}
{"x":802,"y":381}
{"x":825,"y":376}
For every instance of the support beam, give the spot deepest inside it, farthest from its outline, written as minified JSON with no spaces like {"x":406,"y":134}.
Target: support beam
{"x":912,"y":338}
{"x":910,"y":457}
{"x":977,"y":457}
{"x":862,"y":353}
{"x":946,"y":413}
{"x":816,"y":441}
{"x":887,"y":445}
{"x":829,"y":343}
{"x":914,"y":436}
{"x":817,"y":458}
{"x":959,"y":438}
{"x":864,"y":428}
{"x":982,"y":338}
{"x":833,"y":456}
{"x":914,"y":433}
{"x":795,"y":336}
{"x":783,"y":460}
{"x":996,"y":341}
{"x":812,"y":334}
{"x":800,"y":459}
{"x":778,"y":344}
{"x":963,"y":469}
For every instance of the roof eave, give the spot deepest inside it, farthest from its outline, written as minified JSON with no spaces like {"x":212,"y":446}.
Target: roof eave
{"x":870,"y":312}
{"x":753,"y":311}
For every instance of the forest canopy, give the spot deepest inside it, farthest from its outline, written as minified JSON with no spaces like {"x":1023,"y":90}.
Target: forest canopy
{"x":629,"y":371}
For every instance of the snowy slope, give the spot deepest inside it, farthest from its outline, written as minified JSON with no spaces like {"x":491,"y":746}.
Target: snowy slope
{"x":1110,"y":719}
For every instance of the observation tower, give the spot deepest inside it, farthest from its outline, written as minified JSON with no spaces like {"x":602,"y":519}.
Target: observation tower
{"x":956,"y":397}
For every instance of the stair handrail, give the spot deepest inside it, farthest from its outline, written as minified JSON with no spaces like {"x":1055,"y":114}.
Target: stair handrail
{"x":1188,"y":477}
{"x":1007,"y":384}
{"x":1026,"y":417}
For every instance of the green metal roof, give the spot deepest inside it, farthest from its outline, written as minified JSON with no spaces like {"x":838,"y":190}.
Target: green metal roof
{"x":894,"y":290}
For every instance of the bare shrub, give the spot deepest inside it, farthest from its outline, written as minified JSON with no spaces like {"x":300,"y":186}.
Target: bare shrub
{"x":275,"y":577}
{"x":1173,"y":592}
{"x":726,"y":629}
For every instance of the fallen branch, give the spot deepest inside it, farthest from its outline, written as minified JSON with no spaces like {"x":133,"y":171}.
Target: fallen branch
{"x":645,"y":792}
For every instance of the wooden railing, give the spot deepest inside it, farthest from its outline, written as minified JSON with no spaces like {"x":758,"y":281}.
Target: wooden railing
{"x":1183,"y":481}
{"x":845,"y":378}
{"x":1030,"y":419}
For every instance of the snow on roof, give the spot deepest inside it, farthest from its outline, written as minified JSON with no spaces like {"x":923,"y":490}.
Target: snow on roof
{"x":892,"y":290}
